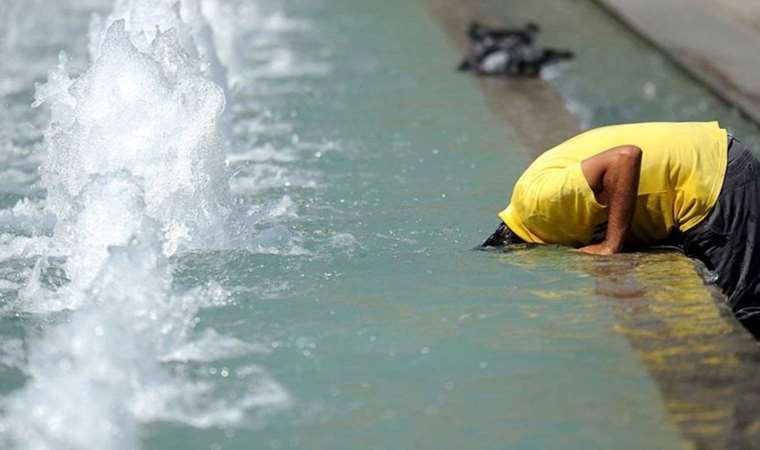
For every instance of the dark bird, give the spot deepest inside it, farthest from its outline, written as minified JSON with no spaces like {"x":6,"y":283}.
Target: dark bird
{"x":508,"y":52}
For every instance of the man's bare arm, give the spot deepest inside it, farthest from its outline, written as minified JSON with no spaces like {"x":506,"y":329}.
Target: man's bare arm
{"x":613,"y":175}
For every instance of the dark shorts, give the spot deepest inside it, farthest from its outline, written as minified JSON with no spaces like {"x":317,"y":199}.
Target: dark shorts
{"x":727,"y":240}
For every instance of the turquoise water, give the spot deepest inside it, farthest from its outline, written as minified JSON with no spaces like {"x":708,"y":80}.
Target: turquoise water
{"x":353,"y":312}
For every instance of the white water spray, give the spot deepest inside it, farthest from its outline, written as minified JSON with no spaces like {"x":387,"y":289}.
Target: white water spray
{"x":153,"y":115}
{"x":134,"y":173}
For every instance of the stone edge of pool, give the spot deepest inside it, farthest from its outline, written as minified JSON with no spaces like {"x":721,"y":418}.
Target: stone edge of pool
{"x":713,"y":41}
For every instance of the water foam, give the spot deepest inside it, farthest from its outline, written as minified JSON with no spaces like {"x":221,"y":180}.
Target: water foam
{"x":97,"y":377}
{"x":153,"y":115}
{"x":135,"y":172}
{"x":145,"y":20}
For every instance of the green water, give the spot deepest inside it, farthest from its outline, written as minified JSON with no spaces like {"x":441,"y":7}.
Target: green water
{"x":385,"y":327}
{"x":408,"y":338}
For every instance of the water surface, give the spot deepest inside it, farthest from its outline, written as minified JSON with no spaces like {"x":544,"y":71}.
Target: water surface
{"x":350,"y":311}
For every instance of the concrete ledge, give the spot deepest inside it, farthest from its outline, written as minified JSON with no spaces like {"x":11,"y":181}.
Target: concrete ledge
{"x":712,"y":40}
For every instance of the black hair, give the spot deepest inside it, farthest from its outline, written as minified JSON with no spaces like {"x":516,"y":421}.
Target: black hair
{"x":501,"y":237}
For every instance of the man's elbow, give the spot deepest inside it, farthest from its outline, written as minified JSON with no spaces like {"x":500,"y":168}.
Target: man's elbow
{"x":630,"y":152}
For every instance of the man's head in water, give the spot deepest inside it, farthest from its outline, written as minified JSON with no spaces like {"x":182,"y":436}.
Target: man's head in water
{"x":501,"y":237}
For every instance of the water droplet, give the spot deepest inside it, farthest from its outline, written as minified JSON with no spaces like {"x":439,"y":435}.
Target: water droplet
{"x":431,"y":410}
{"x":649,"y":90}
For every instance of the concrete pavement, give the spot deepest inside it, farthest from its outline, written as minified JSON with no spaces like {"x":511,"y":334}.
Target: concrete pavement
{"x":716,"y":41}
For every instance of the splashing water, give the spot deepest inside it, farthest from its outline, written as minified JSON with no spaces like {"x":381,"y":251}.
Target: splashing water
{"x":134,"y":172}
{"x":153,"y":115}
{"x":107,"y":358}
{"x":146,"y":19}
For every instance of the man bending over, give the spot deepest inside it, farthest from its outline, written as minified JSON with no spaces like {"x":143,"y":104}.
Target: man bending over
{"x":632,"y":186}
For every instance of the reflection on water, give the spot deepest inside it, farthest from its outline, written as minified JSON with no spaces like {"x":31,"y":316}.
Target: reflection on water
{"x":703,"y":360}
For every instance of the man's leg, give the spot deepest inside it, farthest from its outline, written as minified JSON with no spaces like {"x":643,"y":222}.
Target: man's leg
{"x":728,"y":240}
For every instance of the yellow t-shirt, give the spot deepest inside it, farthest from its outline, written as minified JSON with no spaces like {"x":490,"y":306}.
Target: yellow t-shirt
{"x":682,"y":170}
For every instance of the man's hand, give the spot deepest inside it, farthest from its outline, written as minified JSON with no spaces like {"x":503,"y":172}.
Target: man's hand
{"x":598,"y":249}
{"x":613,"y":175}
